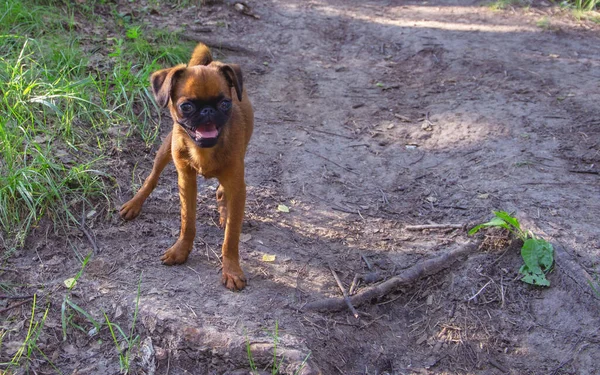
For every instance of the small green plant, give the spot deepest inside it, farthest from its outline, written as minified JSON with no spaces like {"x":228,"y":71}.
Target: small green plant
{"x":503,"y":4}
{"x":581,"y":5}
{"x":66,"y":315}
{"x":275,"y":366}
{"x":537,"y":253}
{"x":129,"y":340}
{"x":26,"y":351}
{"x":134,"y":32}
{"x":253,"y":367}
{"x":543,"y":23}
{"x":118,"y":47}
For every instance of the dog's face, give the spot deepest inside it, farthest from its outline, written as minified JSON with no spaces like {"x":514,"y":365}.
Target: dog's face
{"x":199,"y":97}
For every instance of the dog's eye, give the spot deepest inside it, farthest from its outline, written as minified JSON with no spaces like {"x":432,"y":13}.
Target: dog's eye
{"x":225,"y":105}
{"x":186,"y":107}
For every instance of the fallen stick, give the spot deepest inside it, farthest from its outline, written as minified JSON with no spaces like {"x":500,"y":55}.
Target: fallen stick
{"x":333,"y":162}
{"x":14,"y":306}
{"x":83,"y":229}
{"x":354,"y":284}
{"x":410,"y":275}
{"x":346,"y":298}
{"x":366,"y":261}
{"x":3,"y":296}
{"x":434,"y":226}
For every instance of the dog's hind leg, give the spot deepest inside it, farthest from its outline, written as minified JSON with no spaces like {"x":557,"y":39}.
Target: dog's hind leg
{"x":133,"y":207}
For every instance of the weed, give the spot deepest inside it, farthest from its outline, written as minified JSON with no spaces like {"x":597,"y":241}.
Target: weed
{"x":27,"y":351}
{"x":520,"y":164}
{"x":133,"y":32}
{"x":253,"y":367}
{"x":504,"y":4}
{"x":66,"y":317}
{"x":129,"y":341}
{"x":580,"y":15}
{"x":537,"y":253}
{"x":595,"y":287}
{"x":275,"y":366}
{"x":124,"y":343}
{"x":543,"y":23}
{"x":585,"y":5}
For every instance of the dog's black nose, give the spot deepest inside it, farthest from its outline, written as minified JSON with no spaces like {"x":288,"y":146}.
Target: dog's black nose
{"x":207,"y":111}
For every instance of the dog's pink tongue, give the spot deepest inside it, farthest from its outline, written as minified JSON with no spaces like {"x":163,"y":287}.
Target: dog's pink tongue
{"x":208,"y":131}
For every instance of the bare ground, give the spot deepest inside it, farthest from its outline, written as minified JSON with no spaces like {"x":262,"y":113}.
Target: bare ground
{"x":370,"y":116}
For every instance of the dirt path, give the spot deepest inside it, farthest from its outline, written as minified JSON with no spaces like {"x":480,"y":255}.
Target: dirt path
{"x":371,"y":116}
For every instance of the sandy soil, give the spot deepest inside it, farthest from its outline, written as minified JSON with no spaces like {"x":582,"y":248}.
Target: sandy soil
{"x":370,"y":116}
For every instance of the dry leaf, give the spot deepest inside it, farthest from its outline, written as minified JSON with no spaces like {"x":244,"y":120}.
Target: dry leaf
{"x":70,"y":282}
{"x":268,"y":258}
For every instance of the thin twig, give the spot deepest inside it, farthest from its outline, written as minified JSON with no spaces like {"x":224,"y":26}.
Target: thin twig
{"x":13,"y":306}
{"x":324,"y":132}
{"x":354,"y":284}
{"x":333,"y":162}
{"x":434,"y":226}
{"x":584,"y":171}
{"x":87,"y":233}
{"x":366,"y":261}
{"x":346,"y":298}
{"x":4,"y":296}
{"x":480,"y":290}
{"x":427,"y":120}
{"x":168,"y":361}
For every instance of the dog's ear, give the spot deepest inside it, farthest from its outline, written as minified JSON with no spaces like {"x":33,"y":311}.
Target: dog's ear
{"x":162,"y":83}
{"x":233,"y":75}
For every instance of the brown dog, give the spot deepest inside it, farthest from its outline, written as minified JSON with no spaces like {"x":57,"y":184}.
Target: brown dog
{"x":211,"y":130}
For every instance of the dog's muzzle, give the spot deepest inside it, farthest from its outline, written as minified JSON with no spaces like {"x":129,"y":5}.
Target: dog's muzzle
{"x":205,"y":135}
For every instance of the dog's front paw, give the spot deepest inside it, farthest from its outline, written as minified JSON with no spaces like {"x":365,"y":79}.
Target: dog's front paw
{"x":177,"y":254}
{"x":233,"y":277}
{"x":131,"y":209}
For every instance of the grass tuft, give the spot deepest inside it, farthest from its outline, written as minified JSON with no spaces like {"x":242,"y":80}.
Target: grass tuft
{"x":64,"y":106}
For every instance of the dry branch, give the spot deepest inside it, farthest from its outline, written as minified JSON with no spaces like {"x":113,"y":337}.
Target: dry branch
{"x":408,"y":276}
{"x":434,"y":226}
{"x":344,"y":293}
{"x":13,"y":306}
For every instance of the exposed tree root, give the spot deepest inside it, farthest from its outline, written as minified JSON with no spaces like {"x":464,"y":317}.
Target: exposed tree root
{"x":410,"y":275}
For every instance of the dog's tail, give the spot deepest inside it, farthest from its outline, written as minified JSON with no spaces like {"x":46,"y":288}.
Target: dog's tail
{"x":201,"y":55}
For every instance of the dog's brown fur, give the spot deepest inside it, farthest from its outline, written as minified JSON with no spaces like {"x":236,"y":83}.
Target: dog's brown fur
{"x":203,"y":78}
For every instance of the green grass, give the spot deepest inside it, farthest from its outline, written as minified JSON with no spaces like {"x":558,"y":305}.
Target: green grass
{"x":275,"y":364}
{"x":581,"y":5}
{"x":29,"y":350}
{"x":593,"y":16}
{"x":67,"y":100}
{"x":130,"y":340}
{"x":543,"y":23}
{"x":505,"y":4}
{"x":62,"y":109}
{"x":584,"y":5}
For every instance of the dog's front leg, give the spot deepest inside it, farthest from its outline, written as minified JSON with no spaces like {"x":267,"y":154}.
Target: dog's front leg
{"x":132,"y":208}
{"x":187,"y":180}
{"x":234,"y":191}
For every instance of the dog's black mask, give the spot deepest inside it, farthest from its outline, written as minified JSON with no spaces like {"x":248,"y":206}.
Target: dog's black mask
{"x":204,"y":119}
